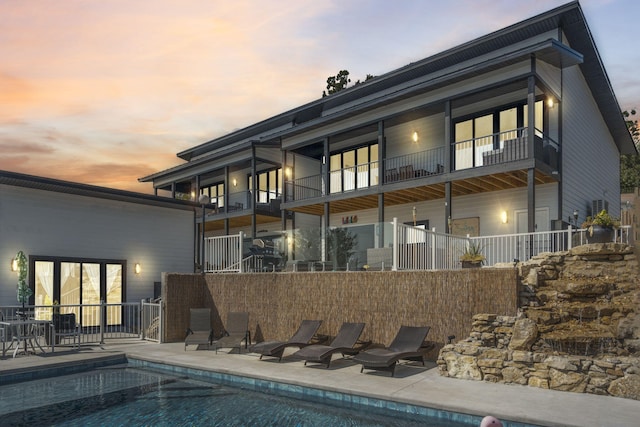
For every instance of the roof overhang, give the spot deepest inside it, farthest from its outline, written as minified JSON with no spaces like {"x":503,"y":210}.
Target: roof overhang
{"x":58,"y":186}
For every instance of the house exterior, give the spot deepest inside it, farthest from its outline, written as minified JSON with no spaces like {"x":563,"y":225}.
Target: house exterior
{"x":498,"y":135}
{"x":83,"y":242}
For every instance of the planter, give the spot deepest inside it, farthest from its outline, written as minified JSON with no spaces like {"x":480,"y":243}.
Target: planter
{"x":471,"y":264}
{"x":600,"y":234}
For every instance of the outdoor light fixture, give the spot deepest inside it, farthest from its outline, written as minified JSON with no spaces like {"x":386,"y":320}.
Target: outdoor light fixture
{"x":136,"y":268}
{"x":415,"y":136}
{"x":550,"y":102}
{"x":14,"y":264}
{"x":235,"y":182}
{"x":503,"y":217}
{"x":287,"y":172}
{"x":575,"y":216}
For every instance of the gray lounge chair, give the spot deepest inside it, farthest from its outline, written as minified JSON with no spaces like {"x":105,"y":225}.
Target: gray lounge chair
{"x":407,"y":345}
{"x":236,"y":331}
{"x":344,"y":343}
{"x":301,"y":338}
{"x":199,"y":331}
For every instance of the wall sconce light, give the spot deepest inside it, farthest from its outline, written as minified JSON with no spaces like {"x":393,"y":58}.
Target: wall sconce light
{"x":193,"y":195}
{"x":575,"y":216}
{"x":550,"y":102}
{"x":235,"y":182}
{"x":414,"y":137}
{"x":14,"y":264}
{"x":136,"y":268}
{"x":287,"y":172}
{"x":503,"y":217}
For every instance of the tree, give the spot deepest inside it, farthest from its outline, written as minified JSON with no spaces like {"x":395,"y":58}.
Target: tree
{"x":630,"y":163}
{"x":340,"y":81}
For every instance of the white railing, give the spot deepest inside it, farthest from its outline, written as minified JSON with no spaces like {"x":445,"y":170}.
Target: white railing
{"x":151,"y":320}
{"x":421,"y":249}
{"x":416,"y":248}
{"x":223,"y":254}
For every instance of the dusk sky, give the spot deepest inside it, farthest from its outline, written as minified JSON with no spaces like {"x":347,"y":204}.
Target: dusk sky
{"x":105,"y":92}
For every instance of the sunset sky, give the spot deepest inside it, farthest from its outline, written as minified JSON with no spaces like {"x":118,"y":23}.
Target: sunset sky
{"x":105,"y":92}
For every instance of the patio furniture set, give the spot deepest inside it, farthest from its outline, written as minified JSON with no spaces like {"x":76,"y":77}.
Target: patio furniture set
{"x":24,"y":333}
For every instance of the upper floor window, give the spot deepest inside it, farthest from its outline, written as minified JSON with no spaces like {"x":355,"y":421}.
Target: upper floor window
{"x":269,"y":185}
{"x":216,"y":192}
{"x":354,"y":168}
{"x":475,"y":136}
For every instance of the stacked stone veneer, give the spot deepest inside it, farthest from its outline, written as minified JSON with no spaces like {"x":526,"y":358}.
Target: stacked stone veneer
{"x":578,"y":329}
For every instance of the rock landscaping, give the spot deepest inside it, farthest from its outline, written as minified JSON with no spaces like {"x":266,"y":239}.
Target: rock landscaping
{"x":578,"y":329}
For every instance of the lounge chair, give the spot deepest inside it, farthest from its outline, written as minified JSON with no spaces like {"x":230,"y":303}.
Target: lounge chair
{"x":407,"y":345}
{"x":301,"y":338}
{"x":236,"y":331}
{"x":199,"y":331}
{"x":344,"y":343}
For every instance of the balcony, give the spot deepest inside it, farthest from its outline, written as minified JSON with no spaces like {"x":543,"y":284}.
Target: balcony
{"x":415,"y":165}
{"x":504,"y":147}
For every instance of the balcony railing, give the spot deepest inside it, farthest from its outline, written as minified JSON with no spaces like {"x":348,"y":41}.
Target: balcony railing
{"x":414,"y":165}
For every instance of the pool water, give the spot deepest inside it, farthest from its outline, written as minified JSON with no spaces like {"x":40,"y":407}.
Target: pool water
{"x":137,"y":397}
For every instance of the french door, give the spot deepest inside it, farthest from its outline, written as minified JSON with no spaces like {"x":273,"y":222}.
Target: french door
{"x":75,"y":282}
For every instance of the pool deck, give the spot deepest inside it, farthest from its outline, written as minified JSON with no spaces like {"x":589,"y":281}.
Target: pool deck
{"x":412,"y":384}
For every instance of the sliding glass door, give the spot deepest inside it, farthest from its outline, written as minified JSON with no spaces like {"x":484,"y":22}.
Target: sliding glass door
{"x":79,"y":282}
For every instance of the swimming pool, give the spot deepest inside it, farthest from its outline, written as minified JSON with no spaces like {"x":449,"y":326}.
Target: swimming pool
{"x":136,"y":395}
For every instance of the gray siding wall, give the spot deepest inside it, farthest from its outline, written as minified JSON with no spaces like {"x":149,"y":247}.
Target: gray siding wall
{"x":591,"y":162}
{"x":63,"y":225}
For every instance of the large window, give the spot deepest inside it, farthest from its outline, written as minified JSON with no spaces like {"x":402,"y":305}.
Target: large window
{"x":74,"y":282}
{"x":269,"y":185}
{"x":475,"y":136}
{"x":216,"y":192}
{"x":354,"y":168}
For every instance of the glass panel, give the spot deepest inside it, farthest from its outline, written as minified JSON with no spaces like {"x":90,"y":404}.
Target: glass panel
{"x":464,"y":131}
{"x":279,"y":184}
{"x":539,"y":117}
{"x":273,"y":184}
{"x":43,"y":289}
{"x":363,"y":167}
{"x":262,"y":188}
{"x":335,"y":165}
{"x":220,"y":194}
{"x":349,"y":170}
{"x":90,"y":294}
{"x":483,"y":134}
{"x":508,"y":124}
{"x":483,"y":126}
{"x":70,"y":287}
{"x":114,"y":294}
{"x":373,"y":153}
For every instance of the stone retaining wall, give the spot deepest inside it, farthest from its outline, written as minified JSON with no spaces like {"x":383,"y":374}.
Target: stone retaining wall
{"x":578,"y":329}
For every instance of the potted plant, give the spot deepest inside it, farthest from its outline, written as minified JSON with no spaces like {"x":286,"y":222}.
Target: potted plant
{"x":23,"y":289}
{"x":601,"y":227}
{"x":472,"y":257}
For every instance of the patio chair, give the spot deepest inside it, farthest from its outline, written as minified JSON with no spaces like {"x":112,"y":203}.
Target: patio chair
{"x":344,"y":342}
{"x":407,"y":345}
{"x":301,"y":338}
{"x":236,"y":331}
{"x":199,"y":331}
{"x":65,"y":327}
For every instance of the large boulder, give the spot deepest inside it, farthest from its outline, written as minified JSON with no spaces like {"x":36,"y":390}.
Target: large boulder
{"x":525,"y":333}
{"x":628,"y":387}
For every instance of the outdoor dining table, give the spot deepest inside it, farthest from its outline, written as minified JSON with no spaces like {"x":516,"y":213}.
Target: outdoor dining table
{"x":25,"y":333}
